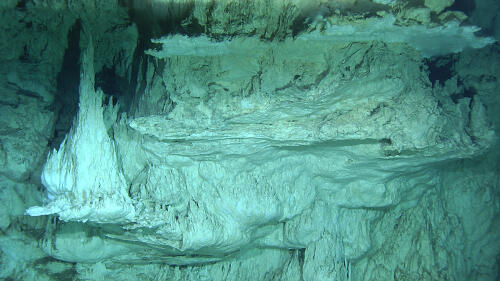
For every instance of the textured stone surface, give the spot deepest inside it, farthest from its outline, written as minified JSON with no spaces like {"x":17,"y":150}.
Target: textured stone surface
{"x":227,"y":170}
{"x":259,"y":144}
{"x":438,"y":5}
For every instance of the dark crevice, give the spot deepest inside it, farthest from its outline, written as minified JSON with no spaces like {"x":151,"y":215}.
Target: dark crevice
{"x":469,"y":92}
{"x":139,"y":65}
{"x":156,"y":19}
{"x":21,"y":4}
{"x":171,"y":18}
{"x":301,"y":257}
{"x":153,"y":20}
{"x":114,"y":86}
{"x":299,"y":25}
{"x":465,"y":6}
{"x":192,"y":27}
{"x":440,"y":69}
{"x":68,"y":82}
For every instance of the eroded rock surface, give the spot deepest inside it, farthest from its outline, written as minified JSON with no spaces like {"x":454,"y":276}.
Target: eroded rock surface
{"x":338,"y":140}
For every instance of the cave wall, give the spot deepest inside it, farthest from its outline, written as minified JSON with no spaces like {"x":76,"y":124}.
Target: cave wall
{"x":248,"y":141}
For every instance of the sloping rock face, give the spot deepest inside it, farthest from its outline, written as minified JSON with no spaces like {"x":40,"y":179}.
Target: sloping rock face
{"x":258,"y":140}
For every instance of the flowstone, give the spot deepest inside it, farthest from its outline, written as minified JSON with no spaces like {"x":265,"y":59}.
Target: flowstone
{"x":220,"y":172}
{"x":250,"y":140}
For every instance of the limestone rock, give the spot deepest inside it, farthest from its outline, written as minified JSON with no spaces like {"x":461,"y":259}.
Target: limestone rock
{"x":438,"y":5}
{"x":249,"y":140}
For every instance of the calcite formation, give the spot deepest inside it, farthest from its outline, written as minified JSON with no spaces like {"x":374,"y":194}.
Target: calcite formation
{"x":258,"y":133}
{"x":252,"y":140}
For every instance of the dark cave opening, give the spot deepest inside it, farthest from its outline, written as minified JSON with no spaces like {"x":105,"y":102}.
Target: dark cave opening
{"x":154,"y":20}
{"x":68,"y":83}
{"x":465,"y":6}
{"x":466,"y":92}
{"x":115,"y":87}
{"x":440,"y":69}
{"x":21,"y":4}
